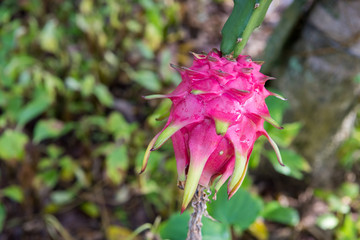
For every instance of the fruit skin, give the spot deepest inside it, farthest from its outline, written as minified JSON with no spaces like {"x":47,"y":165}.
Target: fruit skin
{"x":218,"y":112}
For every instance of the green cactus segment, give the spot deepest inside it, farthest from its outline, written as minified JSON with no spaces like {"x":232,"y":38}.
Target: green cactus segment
{"x":236,"y":24}
{"x":256,"y":19}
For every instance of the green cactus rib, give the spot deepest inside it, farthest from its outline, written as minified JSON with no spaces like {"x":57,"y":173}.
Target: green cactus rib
{"x":245,"y":17}
{"x":256,"y":19}
{"x":236,"y":24}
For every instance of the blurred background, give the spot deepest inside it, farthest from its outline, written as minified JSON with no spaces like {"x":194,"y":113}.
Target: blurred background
{"x":74,"y":125}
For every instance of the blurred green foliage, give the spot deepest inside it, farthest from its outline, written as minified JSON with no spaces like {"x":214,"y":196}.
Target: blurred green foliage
{"x":72,"y":76}
{"x":74,"y":127}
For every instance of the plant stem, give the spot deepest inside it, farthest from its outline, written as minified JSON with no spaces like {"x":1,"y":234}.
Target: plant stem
{"x":256,"y":19}
{"x":199,"y":204}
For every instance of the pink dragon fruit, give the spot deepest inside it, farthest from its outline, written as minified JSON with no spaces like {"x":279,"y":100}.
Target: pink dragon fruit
{"x":217,"y":114}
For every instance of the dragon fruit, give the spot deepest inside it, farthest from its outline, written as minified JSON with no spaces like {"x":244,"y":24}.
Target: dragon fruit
{"x":217,"y":114}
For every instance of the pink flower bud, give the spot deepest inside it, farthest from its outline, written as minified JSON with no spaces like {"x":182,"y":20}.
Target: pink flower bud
{"x":217,"y":114}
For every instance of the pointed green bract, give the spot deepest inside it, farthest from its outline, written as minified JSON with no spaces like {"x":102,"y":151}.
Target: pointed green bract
{"x":276,"y":149}
{"x":221,"y":127}
{"x":221,"y":182}
{"x":192,"y":180}
{"x":165,"y":135}
{"x":147,"y":153}
{"x":278,"y":96}
{"x":272,"y":121}
{"x":238,"y":174}
{"x":155,"y":96}
{"x":199,"y":56}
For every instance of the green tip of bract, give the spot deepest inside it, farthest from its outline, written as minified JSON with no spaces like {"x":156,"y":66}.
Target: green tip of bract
{"x":199,"y":56}
{"x":147,"y":153}
{"x":191,"y":184}
{"x":238,"y":174}
{"x":276,"y":149}
{"x":272,"y":122}
{"x":278,"y":96}
{"x":221,"y":127}
{"x":165,"y":135}
{"x":259,"y":62}
{"x":220,"y":182}
{"x":197,"y":92}
{"x":155,"y":96}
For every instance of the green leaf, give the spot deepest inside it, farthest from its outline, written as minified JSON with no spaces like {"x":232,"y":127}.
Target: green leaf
{"x":348,"y":231}
{"x":68,"y":168}
{"x":87,"y":85}
{"x":45,"y":163}
{"x":62,"y":197}
{"x":119,"y":127}
{"x":144,"y":50}
{"x":50,"y":128}
{"x":148,"y":79}
{"x":49,"y":37}
{"x":212,"y":230}
{"x":327,"y":221}
{"x":133,"y":26}
{"x":91,"y":209}
{"x":34,"y":108}
{"x":13,"y":192}
{"x":12,"y":106}
{"x":153,"y":36}
{"x":322,"y":193}
{"x":17,"y":64}
{"x":164,"y":70}
{"x":349,"y":189}
{"x":54,"y":151}
{"x":236,"y":24}
{"x":242,"y":209}
{"x":117,"y":163}
{"x":2,"y":216}
{"x":12,"y":145}
{"x":103,"y":94}
{"x":273,"y":211}
{"x":295,"y":164}
{"x":72,"y":84}
{"x":49,"y":177}
{"x":176,"y":227}
{"x":336,"y":204}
